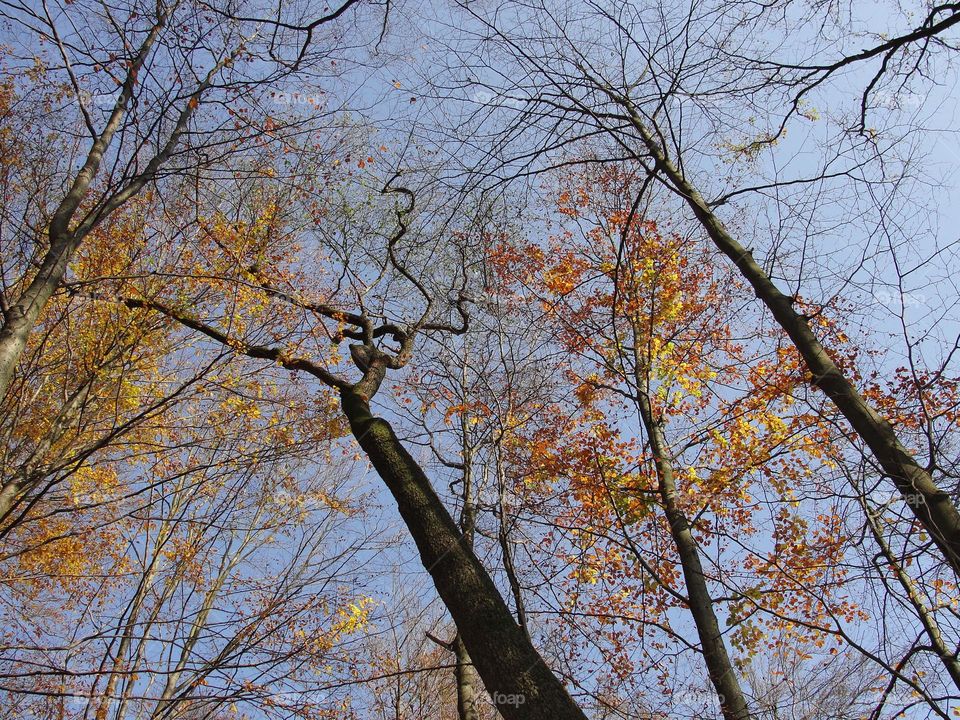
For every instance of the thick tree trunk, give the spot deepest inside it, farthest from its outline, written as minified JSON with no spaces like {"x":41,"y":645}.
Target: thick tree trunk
{"x":722,"y":674}
{"x":517,"y":678}
{"x":930,"y":505}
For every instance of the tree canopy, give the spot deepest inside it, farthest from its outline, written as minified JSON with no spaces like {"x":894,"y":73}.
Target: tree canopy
{"x":534,"y":360}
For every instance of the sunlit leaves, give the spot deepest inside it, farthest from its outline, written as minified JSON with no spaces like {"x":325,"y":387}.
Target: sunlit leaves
{"x":646,"y":314}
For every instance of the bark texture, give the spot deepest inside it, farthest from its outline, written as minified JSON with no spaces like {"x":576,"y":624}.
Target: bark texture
{"x":514,"y":673}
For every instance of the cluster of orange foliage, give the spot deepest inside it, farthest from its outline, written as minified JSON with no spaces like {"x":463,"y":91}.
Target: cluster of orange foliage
{"x":641,"y":309}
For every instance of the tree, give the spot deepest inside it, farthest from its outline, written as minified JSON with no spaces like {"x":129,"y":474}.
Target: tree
{"x":566,"y":93}
{"x":192,"y":82}
{"x":513,"y":263}
{"x":651,"y":326}
{"x":213,"y":584}
{"x":275,"y":289}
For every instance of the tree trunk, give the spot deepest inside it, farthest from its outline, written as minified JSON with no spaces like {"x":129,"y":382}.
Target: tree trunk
{"x":930,"y":505}
{"x":517,"y":678}
{"x":22,"y":316}
{"x":719,"y":667}
{"x":464,"y":673}
{"x":466,"y":690}
{"x":928,"y":618}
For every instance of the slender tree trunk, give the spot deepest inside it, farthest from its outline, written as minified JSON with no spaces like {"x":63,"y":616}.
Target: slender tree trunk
{"x":930,"y":505}
{"x":517,"y":678}
{"x":464,"y":673}
{"x":21,"y":317}
{"x":946,"y":655}
{"x":466,"y":682}
{"x":503,"y":537}
{"x":27,"y":473}
{"x":722,"y":673}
